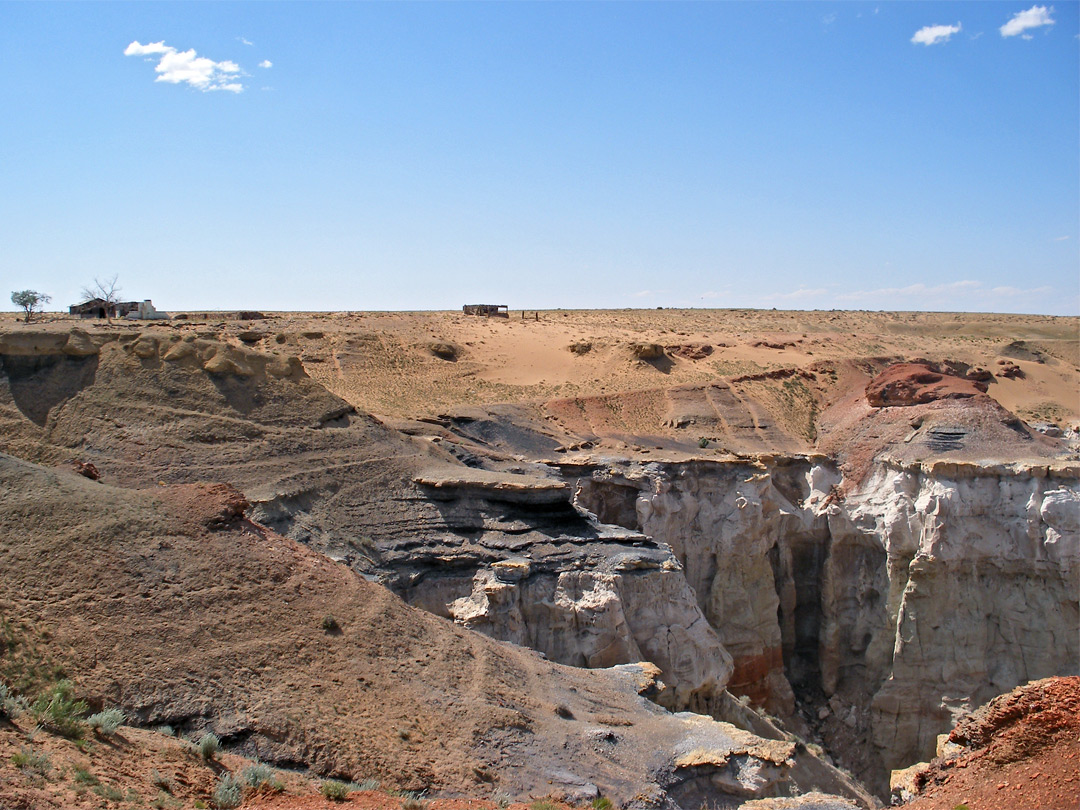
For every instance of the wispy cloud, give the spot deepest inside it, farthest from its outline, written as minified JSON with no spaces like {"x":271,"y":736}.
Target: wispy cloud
{"x":800,"y":294}
{"x":1034,"y":17}
{"x":245,"y":41}
{"x":934,"y":34}
{"x":1014,"y":292}
{"x":929,"y":296}
{"x":186,"y":67}
{"x":1060,"y":238}
{"x":266,"y":63}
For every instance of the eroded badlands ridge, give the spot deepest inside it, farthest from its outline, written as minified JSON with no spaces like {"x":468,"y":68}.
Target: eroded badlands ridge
{"x":867,"y":595}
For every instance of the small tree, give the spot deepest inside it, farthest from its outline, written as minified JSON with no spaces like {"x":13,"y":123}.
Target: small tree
{"x":31,"y":301}
{"x":108,"y":291}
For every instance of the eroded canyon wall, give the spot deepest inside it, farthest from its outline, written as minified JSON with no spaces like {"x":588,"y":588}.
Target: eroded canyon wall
{"x":888,"y":611}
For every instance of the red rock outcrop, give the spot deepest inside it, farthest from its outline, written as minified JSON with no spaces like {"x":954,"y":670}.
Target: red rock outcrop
{"x":918,"y":383}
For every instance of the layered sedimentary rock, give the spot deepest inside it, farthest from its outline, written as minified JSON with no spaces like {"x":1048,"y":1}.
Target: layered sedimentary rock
{"x":516,"y":562}
{"x":921,"y":594}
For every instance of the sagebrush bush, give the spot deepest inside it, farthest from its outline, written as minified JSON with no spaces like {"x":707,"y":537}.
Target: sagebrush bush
{"x":208,"y":745}
{"x":11,"y":705}
{"x":368,"y":784}
{"x":58,"y":711}
{"x":106,"y":722}
{"x":83,"y":776}
{"x":334,"y":790}
{"x":601,"y":803}
{"x":28,"y":760}
{"x":229,"y":793}
{"x":161,"y":781}
{"x":261,"y":777}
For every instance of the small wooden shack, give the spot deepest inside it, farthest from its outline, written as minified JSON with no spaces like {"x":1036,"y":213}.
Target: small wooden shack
{"x":487,"y":310}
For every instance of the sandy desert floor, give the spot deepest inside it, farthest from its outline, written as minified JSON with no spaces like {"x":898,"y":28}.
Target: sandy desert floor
{"x":407,"y":364}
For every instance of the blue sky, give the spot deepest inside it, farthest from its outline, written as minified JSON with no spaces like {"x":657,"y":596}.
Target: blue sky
{"x":347,"y":156}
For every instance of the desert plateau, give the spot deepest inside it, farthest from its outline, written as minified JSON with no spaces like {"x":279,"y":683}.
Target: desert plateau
{"x":649,"y":558}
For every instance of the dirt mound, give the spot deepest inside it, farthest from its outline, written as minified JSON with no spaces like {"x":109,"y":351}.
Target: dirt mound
{"x":917,"y":384}
{"x":1019,"y":750}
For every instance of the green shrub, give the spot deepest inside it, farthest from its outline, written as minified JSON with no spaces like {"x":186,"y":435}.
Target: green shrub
{"x":59,"y":712}
{"x":413,"y":801}
{"x":167,"y":730}
{"x":502,"y":800}
{"x":110,"y":793}
{"x":330,"y":624}
{"x":106,"y":722}
{"x":368,"y":784}
{"x":229,"y":793}
{"x":260,"y":776}
{"x":163,"y":801}
{"x":208,"y":746}
{"x":543,"y":804}
{"x":601,"y":803}
{"x":28,"y":760}
{"x":334,"y":790}
{"x":83,"y":776}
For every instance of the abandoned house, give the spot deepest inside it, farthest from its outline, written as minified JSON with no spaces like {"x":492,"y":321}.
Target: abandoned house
{"x":488,"y":310}
{"x":131,"y":310}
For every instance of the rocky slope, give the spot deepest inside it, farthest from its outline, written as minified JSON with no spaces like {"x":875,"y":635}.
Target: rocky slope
{"x":171,"y":605}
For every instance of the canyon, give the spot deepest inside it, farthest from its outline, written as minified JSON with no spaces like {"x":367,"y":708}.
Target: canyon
{"x":796,"y":574}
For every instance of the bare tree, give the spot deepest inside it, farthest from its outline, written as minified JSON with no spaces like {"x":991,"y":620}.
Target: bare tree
{"x":31,"y":301}
{"x":108,"y":291}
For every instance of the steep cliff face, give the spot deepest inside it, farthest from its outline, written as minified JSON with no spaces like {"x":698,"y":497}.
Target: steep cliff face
{"x":983,"y":565}
{"x":925,"y":592}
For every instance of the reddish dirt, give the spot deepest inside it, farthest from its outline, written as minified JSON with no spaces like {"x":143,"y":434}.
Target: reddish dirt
{"x":373,"y":800}
{"x":144,"y":766}
{"x":918,"y":383}
{"x":1020,"y":751}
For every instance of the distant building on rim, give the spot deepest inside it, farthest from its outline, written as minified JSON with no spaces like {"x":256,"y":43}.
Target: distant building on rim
{"x":131,"y":310}
{"x":489,"y":310}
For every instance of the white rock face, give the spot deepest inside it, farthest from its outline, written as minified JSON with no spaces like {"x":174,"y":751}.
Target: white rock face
{"x":923,"y":594}
{"x":640,"y":611}
{"x":983,"y":566}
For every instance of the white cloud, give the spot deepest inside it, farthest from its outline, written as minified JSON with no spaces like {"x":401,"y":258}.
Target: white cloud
{"x":135,"y":49}
{"x":1034,"y":17}
{"x":245,"y":41}
{"x":933,"y":34}
{"x":186,"y":67}
{"x":266,"y":63}
{"x":1060,"y":238}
